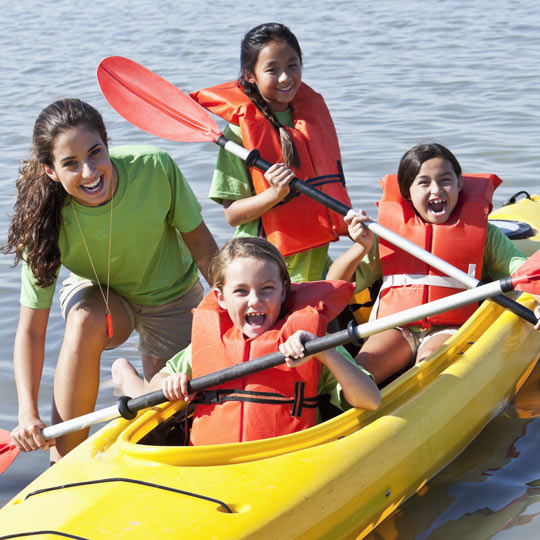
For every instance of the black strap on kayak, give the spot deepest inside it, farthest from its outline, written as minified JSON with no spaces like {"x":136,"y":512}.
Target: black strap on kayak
{"x":131,"y":481}
{"x":41,"y":533}
{"x":297,"y":402}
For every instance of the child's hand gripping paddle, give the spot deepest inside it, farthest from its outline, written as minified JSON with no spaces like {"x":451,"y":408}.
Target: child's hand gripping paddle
{"x":526,"y":278}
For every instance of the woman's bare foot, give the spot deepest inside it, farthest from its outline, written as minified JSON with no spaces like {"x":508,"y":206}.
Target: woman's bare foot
{"x":126,"y":379}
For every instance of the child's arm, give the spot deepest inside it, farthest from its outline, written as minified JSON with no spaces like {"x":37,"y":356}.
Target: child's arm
{"x":174,"y":386}
{"x":345,"y":265}
{"x":359,"y":389}
{"x":245,"y":210}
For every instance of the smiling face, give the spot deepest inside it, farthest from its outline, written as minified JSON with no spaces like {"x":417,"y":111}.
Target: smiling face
{"x":81,"y":164}
{"x":434,"y":192}
{"x":252,"y":294}
{"x":277,"y":74}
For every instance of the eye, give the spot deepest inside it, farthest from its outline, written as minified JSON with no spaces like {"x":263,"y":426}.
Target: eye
{"x":240,"y":291}
{"x":69,"y":164}
{"x":95,"y":151}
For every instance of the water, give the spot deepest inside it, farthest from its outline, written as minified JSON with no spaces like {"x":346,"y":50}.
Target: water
{"x":394,"y":73}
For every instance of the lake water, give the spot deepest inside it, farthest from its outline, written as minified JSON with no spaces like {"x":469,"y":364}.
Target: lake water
{"x":394,"y":73}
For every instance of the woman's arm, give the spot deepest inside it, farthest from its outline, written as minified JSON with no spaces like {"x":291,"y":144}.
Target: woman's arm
{"x":203,"y":248}
{"x":28,"y":360}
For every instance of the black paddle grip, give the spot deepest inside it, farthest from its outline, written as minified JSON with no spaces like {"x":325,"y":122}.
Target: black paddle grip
{"x":254,"y":159}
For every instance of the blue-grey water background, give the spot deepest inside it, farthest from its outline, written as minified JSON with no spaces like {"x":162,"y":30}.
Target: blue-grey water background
{"x":394,"y":73}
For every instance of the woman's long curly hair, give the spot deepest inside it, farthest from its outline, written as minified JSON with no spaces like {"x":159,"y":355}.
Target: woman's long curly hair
{"x":35,"y":227}
{"x":252,"y":44}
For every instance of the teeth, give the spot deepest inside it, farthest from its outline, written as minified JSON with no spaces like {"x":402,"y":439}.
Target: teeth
{"x":92,"y":185}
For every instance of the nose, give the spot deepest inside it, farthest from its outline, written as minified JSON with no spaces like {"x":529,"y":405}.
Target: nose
{"x":435,"y":187}
{"x":254,"y":299}
{"x":88,"y":169}
{"x":283,"y":77}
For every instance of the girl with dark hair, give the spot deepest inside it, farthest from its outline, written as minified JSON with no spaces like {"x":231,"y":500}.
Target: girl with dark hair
{"x":434,"y":206}
{"x":129,"y":228}
{"x":254,"y":310}
{"x":269,"y":108}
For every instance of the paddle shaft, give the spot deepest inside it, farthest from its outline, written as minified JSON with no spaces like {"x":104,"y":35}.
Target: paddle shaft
{"x":128,"y":407}
{"x":253,"y":159}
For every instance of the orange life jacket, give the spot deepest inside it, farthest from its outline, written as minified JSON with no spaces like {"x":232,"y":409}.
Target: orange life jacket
{"x":410,"y":282}
{"x":298,"y":223}
{"x":270,"y":403}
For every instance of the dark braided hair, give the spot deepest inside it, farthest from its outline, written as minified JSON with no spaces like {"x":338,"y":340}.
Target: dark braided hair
{"x":35,"y":227}
{"x":252,"y":43}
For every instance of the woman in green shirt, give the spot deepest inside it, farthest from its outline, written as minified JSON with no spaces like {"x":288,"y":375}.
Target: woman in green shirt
{"x":129,"y":228}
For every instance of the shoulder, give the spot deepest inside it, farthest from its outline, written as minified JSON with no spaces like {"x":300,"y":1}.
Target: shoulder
{"x":142,"y":160}
{"x":136,"y":154}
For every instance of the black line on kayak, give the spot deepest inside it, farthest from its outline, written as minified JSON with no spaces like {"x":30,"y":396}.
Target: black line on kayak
{"x":132,"y":481}
{"x":35,"y":533}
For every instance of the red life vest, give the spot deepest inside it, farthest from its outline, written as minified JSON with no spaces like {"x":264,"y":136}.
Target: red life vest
{"x":461,"y":240}
{"x":270,"y":403}
{"x":298,"y":223}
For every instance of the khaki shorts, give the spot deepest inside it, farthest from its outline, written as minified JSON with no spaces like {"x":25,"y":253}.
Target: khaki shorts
{"x":163,"y":330}
{"x":415,"y":339}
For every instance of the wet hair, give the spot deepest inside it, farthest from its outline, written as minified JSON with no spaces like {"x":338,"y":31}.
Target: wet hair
{"x":35,"y":227}
{"x":412,"y":161}
{"x":252,"y":44}
{"x":249,"y":247}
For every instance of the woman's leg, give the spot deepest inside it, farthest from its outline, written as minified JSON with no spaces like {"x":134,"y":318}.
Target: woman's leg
{"x":76,"y":380}
{"x":385,"y":354}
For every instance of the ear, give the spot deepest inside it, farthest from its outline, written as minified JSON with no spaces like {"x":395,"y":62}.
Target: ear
{"x":249,"y":77}
{"x":283,"y":293}
{"x":460,"y":182}
{"x":49,"y":172}
{"x":218,"y":293}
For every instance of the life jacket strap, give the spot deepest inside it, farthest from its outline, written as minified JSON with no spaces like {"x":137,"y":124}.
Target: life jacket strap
{"x":297,"y":402}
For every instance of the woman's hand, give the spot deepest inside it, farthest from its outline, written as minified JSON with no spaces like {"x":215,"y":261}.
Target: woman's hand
{"x":175,"y":387}
{"x":357,"y":230}
{"x":279,"y":177}
{"x":27,"y":435}
{"x":537,"y":314}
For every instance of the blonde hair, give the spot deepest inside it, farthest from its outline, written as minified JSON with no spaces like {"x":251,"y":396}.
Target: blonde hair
{"x":248,"y":247}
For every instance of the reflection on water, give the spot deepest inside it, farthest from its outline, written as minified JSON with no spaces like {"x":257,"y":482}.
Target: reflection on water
{"x":492,"y":488}
{"x":394,"y":73}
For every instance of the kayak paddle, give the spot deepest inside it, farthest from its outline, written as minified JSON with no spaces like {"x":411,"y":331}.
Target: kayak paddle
{"x":526,"y":278}
{"x":156,"y":106}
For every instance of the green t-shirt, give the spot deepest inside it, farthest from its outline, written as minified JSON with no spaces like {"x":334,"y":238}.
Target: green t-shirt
{"x":150,"y":263}
{"x":501,"y":258}
{"x":181,"y":363}
{"x":232,"y":181}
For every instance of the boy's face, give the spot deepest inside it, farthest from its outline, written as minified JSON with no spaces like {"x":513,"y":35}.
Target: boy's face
{"x":434,"y":192}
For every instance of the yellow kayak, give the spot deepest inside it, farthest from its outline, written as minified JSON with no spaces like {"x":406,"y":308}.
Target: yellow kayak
{"x":336,"y":480}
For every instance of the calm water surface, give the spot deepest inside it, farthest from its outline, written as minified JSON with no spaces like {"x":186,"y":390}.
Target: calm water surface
{"x":394,"y":73}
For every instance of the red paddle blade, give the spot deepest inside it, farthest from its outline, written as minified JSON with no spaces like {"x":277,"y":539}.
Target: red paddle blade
{"x":153,"y":104}
{"x":8,"y":451}
{"x":527,"y":276}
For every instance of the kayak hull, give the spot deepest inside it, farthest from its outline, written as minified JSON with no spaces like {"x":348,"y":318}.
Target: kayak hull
{"x":336,"y":480}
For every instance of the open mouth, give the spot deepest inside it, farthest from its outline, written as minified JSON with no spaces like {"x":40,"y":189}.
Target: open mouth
{"x":93,"y":187}
{"x":437,"y":206}
{"x":255,"y":319}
